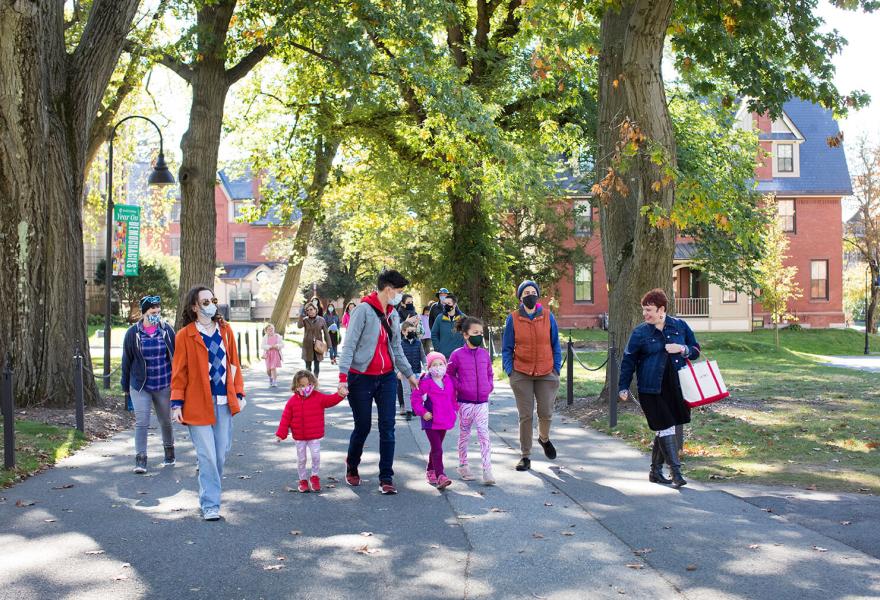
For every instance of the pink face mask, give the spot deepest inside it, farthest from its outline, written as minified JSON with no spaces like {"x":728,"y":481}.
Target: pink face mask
{"x":438,"y":372}
{"x":307,"y":390}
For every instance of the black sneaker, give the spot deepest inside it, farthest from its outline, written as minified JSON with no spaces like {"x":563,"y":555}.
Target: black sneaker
{"x":351,"y":476}
{"x":387,"y":488}
{"x":549,"y":449}
{"x":140,"y":463}
{"x":169,"y":456}
{"x":409,"y":415}
{"x":524,"y":464}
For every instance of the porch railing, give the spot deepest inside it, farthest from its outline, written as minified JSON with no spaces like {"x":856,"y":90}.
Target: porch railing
{"x":692,"y":307}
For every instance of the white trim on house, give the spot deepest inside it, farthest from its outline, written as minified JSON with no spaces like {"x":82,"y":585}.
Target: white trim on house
{"x":795,"y":158}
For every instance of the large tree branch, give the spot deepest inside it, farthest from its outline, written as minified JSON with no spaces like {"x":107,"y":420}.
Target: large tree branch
{"x":247,"y":63}
{"x":95,"y":57}
{"x":178,"y":66}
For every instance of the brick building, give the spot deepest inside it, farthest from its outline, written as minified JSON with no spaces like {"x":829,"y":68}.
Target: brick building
{"x":809,"y":177}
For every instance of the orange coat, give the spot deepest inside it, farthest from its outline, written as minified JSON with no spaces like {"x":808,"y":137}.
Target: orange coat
{"x":189,"y":375}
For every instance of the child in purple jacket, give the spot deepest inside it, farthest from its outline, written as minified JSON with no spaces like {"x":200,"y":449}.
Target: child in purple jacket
{"x":434,"y":401}
{"x":471,"y":368}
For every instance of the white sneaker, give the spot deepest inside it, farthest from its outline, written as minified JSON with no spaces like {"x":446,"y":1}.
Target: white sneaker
{"x":465,"y":472}
{"x":488,"y":478}
{"x":211,"y":514}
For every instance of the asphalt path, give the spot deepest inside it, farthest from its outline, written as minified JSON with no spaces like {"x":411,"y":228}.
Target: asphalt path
{"x":588,"y":525}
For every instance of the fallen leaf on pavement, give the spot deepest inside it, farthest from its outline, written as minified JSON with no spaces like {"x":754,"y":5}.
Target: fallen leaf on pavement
{"x":49,"y":520}
{"x":498,"y":510}
{"x":366,"y":533}
{"x":94,"y":552}
{"x":435,"y":546}
{"x":642,"y":551}
{"x":66,"y":486}
{"x":296,"y":532}
{"x":691,"y":568}
{"x":366,"y":550}
{"x":754,"y":546}
{"x":244,"y":476}
{"x":846,"y":522}
{"x":23,"y":503}
{"x":126,"y":565}
{"x":820,"y":549}
{"x":548,"y":504}
{"x":273,"y":567}
{"x":635,"y":566}
{"x":567,"y":533}
{"x":281,"y":558}
{"x":538,"y":536}
{"x":120,"y":578}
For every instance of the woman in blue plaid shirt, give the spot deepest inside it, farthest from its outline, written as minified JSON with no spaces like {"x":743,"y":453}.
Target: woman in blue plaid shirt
{"x":146,"y":377}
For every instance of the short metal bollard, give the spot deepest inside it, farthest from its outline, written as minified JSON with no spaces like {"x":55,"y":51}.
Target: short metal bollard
{"x":491,"y":343}
{"x":238,"y":342}
{"x":613,"y":375}
{"x":247,"y":343}
{"x":7,"y":399}
{"x":78,"y":389}
{"x":569,"y":372}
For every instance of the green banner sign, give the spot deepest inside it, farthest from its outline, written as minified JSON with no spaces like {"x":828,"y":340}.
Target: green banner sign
{"x":127,"y":239}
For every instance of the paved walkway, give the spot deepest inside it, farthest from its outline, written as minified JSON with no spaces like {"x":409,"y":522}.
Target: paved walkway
{"x":588,"y":525}
{"x":860,"y":362}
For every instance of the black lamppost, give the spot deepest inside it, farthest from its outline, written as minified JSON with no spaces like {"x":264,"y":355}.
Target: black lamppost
{"x":160,"y":176}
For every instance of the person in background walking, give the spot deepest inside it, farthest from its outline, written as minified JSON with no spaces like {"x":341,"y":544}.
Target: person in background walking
{"x":370,"y":355}
{"x":471,"y":368}
{"x":444,"y":335}
{"x":437,"y":307}
{"x":415,"y":354}
{"x":656,"y":350}
{"x":434,"y":401}
{"x":147,"y":353}
{"x":425,"y":335}
{"x":272,"y":345}
{"x":316,"y":338}
{"x":347,"y":316}
{"x":207,"y":390}
{"x":333,"y":323}
{"x":531,"y":357}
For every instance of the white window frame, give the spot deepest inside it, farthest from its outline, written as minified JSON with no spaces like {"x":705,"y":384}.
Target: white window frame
{"x":795,"y":159}
{"x":589,"y":266}
{"x":235,"y":241}
{"x":793,"y":214}
{"x":583,"y":205}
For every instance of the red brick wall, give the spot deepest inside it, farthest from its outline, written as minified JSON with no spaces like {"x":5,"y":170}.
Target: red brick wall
{"x":583,"y":314}
{"x":818,"y":236}
{"x":258,"y":236}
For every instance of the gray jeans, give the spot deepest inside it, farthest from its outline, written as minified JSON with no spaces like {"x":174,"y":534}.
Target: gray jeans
{"x":161,"y":400}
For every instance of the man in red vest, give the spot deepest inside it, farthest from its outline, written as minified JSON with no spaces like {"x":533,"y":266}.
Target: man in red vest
{"x":532,"y":358}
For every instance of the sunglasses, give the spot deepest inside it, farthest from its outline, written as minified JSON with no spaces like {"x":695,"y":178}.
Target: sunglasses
{"x":151,"y":300}
{"x":206,"y":302}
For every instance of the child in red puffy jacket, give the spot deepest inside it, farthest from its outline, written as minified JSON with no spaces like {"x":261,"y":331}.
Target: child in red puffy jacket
{"x":304,"y":416}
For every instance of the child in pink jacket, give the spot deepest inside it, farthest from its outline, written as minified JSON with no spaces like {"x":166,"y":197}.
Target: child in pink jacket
{"x":434,"y":401}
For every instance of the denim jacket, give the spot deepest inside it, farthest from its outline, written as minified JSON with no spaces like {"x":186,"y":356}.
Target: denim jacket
{"x":646,"y":353}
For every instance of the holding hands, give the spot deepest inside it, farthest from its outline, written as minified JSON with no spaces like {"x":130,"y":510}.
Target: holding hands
{"x":427,"y":416}
{"x":342,"y":390}
{"x":177,"y":414}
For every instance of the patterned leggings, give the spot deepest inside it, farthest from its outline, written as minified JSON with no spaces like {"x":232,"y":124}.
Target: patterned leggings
{"x":314,"y":448}
{"x":474,"y":415}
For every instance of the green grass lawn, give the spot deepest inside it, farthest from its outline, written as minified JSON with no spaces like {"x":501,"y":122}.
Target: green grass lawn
{"x":37,"y":446}
{"x":790,"y":419}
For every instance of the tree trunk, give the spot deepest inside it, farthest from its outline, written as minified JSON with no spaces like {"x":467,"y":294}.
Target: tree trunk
{"x":48,"y":102}
{"x":325,"y":153}
{"x":468,"y":246}
{"x":198,"y":176}
{"x":638,"y":256}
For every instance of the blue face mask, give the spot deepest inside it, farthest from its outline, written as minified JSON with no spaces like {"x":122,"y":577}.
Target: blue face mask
{"x":154,"y":319}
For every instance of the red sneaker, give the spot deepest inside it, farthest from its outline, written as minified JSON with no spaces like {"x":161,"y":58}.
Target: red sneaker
{"x":315,"y":482}
{"x":303,"y":486}
{"x":351,"y":476}
{"x":443,"y":482}
{"x":387,"y":488}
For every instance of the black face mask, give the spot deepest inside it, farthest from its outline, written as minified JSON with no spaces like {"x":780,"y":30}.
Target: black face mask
{"x":530,"y":301}
{"x":409,"y":306}
{"x":450,"y":308}
{"x":412,"y":335}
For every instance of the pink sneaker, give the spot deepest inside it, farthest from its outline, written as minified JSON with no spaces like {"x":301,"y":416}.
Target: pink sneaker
{"x":431,"y":476}
{"x":443,"y":482}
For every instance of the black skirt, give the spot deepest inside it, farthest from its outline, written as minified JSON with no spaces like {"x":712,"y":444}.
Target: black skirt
{"x":667,"y":408}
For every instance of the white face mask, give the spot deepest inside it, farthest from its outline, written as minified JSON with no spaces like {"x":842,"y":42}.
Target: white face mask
{"x":208,"y":311}
{"x":396,"y":300}
{"x":438,"y":372}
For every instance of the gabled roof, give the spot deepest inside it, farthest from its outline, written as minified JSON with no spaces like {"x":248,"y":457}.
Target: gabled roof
{"x":240,"y":188}
{"x":823,"y":168}
{"x":234,"y":270}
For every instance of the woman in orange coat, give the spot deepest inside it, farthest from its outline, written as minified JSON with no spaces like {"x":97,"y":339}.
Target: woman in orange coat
{"x":206,"y":390}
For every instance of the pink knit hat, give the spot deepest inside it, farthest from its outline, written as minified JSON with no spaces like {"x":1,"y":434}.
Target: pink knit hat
{"x":432,"y":356}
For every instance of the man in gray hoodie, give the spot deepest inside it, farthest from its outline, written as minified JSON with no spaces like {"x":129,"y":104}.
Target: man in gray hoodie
{"x":370,"y":355}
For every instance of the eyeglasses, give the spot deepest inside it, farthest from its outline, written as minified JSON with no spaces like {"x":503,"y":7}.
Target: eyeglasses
{"x":206,"y":302}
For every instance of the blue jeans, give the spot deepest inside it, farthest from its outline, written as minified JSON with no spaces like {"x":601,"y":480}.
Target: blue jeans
{"x":212,"y":443}
{"x":363,"y":390}
{"x":142,"y":400}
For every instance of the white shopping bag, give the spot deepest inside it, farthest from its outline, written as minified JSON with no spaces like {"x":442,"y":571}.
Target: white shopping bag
{"x":701,"y":383}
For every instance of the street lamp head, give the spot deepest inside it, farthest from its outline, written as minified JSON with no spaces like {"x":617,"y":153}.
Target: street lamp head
{"x":161,"y":175}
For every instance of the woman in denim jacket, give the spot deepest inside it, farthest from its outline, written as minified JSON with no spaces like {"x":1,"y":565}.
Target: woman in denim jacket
{"x":656,"y":350}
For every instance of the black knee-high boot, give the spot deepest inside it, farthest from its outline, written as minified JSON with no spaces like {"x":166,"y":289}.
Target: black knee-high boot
{"x":656,"y":474}
{"x":669,"y":443}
